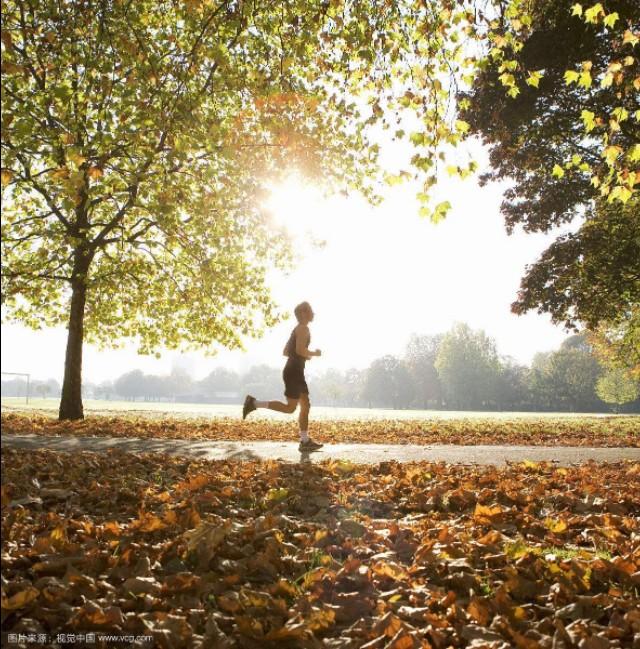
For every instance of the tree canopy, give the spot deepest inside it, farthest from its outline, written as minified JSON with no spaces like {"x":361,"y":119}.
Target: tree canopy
{"x":568,"y":132}
{"x":137,"y":139}
{"x":569,"y":140}
{"x":617,"y":388}
{"x":468,"y":365}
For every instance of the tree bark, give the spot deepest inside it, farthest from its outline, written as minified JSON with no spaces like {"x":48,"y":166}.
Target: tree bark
{"x":71,"y":402}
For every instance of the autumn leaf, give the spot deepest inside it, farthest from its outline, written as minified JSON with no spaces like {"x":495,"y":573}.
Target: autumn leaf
{"x":385,"y":561}
{"x":488,"y":515}
{"x":20,"y":599}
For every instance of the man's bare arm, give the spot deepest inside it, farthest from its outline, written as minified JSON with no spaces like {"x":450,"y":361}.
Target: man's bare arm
{"x":302,"y":334}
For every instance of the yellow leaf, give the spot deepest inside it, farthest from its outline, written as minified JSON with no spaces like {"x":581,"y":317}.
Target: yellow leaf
{"x":611,"y":19}
{"x":611,"y":153}
{"x":343,"y":467}
{"x":7,"y":176}
{"x":59,"y":533}
{"x":557,"y":526}
{"x":276,"y":495}
{"x":607,"y":80}
{"x":585,"y":79}
{"x":390,"y":569}
{"x":591,"y":15}
{"x":534,"y":79}
{"x":571,"y":76}
{"x":619,"y":192}
{"x":630,"y":38}
{"x":486,"y":514}
{"x":319,"y":619}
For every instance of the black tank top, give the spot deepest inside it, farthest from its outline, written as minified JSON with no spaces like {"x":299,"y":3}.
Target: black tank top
{"x":291,"y":350}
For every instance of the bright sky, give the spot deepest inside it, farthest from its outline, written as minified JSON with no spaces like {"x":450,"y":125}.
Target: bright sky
{"x":383,"y":274}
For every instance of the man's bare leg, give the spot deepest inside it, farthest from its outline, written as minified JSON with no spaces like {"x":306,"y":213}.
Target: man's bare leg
{"x":303,"y":417}
{"x":306,"y":443}
{"x":278,"y":406}
{"x":251,"y":404}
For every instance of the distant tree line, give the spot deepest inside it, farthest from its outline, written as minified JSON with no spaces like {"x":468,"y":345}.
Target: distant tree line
{"x":17,"y":387}
{"x":458,"y":370}
{"x":462,"y":370}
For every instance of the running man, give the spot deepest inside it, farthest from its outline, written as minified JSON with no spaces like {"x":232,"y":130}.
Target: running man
{"x":295,"y":385}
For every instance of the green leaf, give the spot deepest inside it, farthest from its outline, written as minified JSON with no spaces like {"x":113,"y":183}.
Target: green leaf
{"x":440,"y":211}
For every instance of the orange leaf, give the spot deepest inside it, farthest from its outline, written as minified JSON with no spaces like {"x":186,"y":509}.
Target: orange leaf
{"x":19,"y":600}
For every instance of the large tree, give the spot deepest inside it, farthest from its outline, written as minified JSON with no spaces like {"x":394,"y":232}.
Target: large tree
{"x":565,"y":379}
{"x":136,"y":141}
{"x":569,"y":139}
{"x":469,"y":368}
{"x":420,"y":357}
{"x":388,"y":383}
{"x":616,"y":388}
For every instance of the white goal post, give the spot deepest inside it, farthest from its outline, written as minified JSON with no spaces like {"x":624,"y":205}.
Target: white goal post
{"x":28,"y":376}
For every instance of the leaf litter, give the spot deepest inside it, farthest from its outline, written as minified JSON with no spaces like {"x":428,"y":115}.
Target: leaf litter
{"x":588,"y":431}
{"x":338,"y":555}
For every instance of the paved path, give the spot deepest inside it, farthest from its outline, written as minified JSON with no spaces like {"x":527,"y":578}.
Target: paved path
{"x":355,"y":452}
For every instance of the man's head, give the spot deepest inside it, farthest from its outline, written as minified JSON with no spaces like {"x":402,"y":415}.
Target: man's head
{"x":303,"y":313}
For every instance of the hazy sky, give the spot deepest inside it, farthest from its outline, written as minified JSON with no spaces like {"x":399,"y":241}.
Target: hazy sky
{"x":383,"y":274}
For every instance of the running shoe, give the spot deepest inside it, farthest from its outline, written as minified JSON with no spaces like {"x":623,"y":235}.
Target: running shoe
{"x":310,"y":445}
{"x":249,"y":406}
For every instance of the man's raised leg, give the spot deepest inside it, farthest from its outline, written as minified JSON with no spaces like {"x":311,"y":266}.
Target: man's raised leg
{"x":251,"y":404}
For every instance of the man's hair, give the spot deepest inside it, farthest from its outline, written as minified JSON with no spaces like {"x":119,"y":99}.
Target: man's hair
{"x":303,"y":306}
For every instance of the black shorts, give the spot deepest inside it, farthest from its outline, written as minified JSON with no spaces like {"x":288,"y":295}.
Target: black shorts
{"x":294,"y":382}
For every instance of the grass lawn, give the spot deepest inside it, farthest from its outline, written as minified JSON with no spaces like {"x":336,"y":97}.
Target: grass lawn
{"x":196,"y":410}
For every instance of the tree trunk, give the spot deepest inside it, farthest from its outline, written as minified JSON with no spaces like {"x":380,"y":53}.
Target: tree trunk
{"x":71,"y":401}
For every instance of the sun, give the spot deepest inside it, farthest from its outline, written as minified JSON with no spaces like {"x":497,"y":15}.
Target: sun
{"x":295,"y":205}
